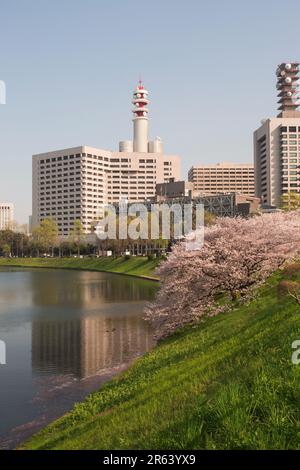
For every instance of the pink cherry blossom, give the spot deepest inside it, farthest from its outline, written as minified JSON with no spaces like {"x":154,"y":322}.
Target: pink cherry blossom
{"x":238,"y":254}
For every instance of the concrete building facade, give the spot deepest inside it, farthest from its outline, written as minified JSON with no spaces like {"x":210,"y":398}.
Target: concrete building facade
{"x":74,"y":183}
{"x":6,"y":215}
{"x":224,"y":177}
{"x":277,"y":142}
{"x":173,"y":189}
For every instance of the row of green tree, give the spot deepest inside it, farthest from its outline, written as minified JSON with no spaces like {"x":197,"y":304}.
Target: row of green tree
{"x":290,"y":201}
{"x":44,"y":240}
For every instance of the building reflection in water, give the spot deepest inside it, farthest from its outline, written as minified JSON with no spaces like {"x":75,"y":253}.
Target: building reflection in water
{"x":100,"y":326}
{"x":88,"y":345}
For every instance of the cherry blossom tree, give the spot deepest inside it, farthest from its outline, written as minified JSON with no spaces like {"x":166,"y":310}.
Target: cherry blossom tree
{"x":238,"y":254}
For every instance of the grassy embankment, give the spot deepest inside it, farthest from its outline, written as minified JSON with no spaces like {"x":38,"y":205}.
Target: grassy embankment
{"x":135,"y":266}
{"x":228,"y":383}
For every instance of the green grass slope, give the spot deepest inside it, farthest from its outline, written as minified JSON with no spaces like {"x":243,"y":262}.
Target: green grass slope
{"x":135,"y":266}
{"x":228,"y":383}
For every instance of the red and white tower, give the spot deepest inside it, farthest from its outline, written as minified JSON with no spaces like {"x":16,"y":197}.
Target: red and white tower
{"x":140,"y":119}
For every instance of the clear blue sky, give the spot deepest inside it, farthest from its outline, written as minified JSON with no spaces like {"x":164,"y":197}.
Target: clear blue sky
{"x":70,"y":68}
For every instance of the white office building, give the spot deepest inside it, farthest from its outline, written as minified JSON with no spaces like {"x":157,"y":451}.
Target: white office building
{"x":73,"y":183}
{"x":277,"y":142}
{"x":6,"y":215}
{"x":223,"y":177}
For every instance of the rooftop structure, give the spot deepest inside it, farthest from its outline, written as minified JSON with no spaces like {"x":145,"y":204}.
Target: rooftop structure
{"x":287,"y":86}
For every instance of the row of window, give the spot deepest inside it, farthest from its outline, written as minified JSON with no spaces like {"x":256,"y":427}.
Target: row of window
{"x":290,"y":129}
{"x":227,"y":177}
{"x":91,"y":159}
{"x":221,"y":174}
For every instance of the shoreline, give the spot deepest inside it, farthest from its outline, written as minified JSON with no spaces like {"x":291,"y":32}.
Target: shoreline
{"x":91,"y":384}
{"x":76,"y":264}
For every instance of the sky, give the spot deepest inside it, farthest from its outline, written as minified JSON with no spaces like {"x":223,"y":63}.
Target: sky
{"x":70,"y":68}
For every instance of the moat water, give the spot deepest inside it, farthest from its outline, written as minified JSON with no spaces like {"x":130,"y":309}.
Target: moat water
{"x":66,"y":333}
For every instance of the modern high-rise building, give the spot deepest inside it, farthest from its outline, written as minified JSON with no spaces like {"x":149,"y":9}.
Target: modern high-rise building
{"x":6,"y":215}
{"x":73,"y":183}
{"x":277,"y":142}
{"x":224,"y":177}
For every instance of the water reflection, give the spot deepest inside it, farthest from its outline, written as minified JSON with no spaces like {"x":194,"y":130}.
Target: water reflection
{"x":61,"y":327}
{"x":109,"y":333}
{"x":89,"y":345}
{"x":88,"y":289}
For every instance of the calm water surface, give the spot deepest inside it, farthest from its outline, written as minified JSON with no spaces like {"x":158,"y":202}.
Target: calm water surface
{"x":66,"y":332}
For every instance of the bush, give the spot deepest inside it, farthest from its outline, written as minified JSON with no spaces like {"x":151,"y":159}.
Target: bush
{"x":290,"y":288}
{"x":284,"y":287}
{"x":292,"y":270}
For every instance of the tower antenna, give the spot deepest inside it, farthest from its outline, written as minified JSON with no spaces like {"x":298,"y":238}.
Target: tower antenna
{"x":287,"y":86}
{"x":140,"y":118}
